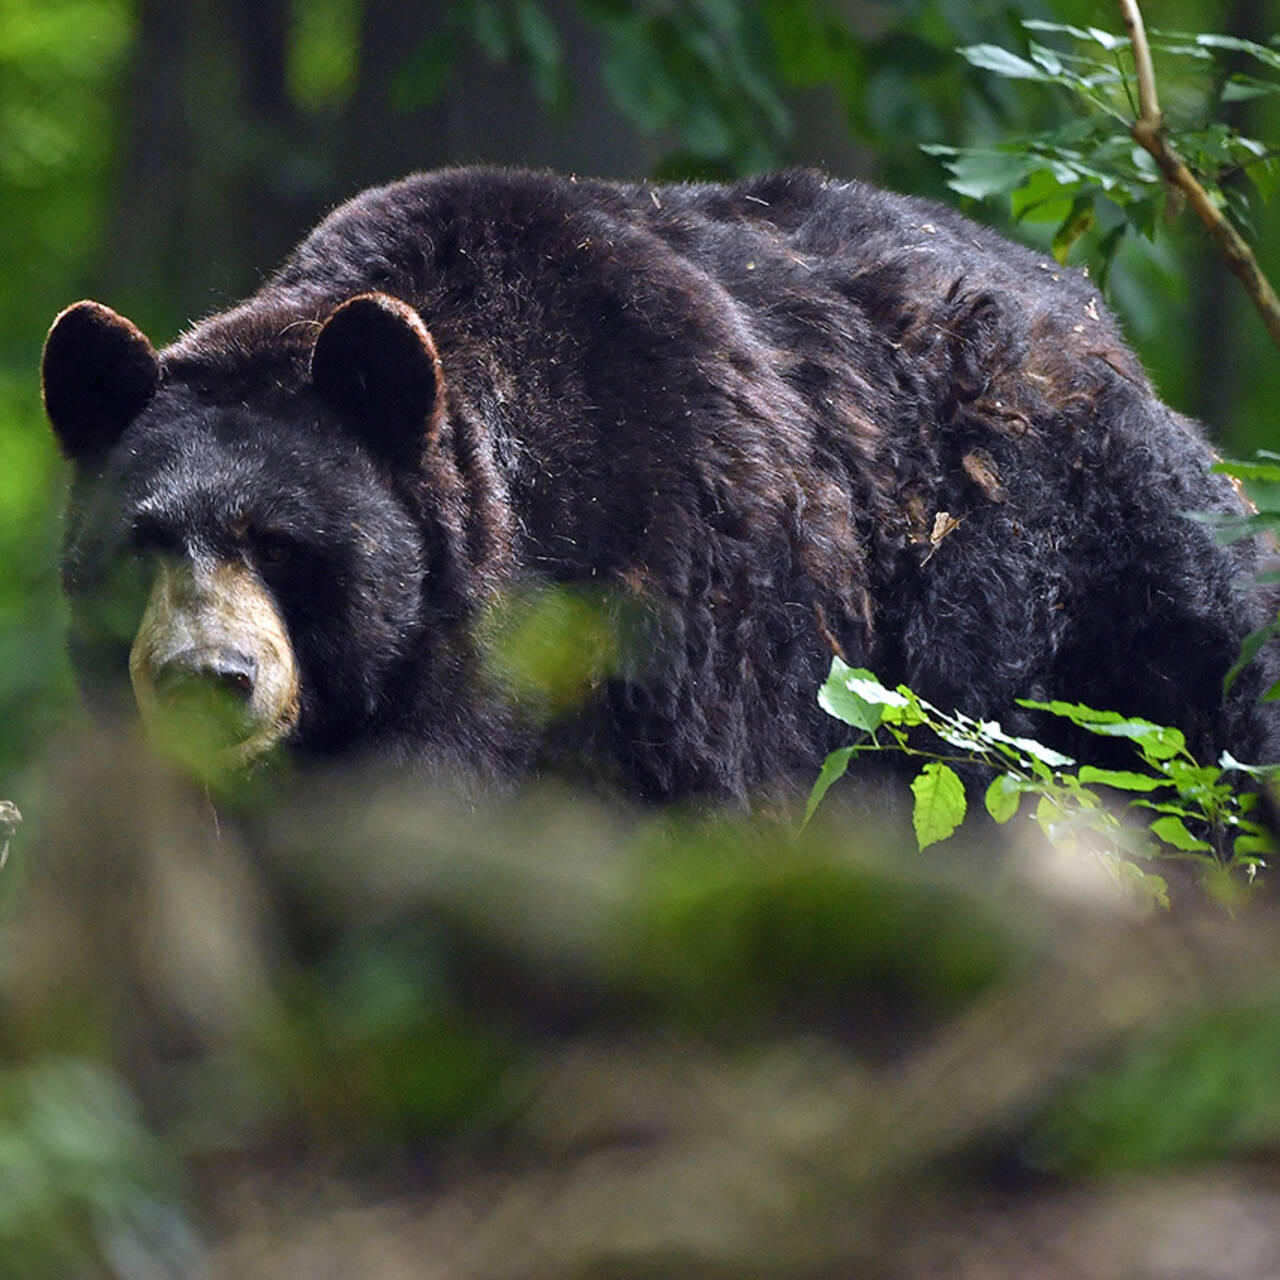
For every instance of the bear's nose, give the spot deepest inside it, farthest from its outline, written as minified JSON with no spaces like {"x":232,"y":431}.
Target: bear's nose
{"x":202,"y":671}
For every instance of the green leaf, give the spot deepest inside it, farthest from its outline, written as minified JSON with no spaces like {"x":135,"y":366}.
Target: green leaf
{"x":1121,"y":779}
{"x":1107,"y":40}
{"x":1156,"y":741}
{"x":1173,"y":831}
{"x":1042,"y":198}
{"x":982,"y":174}
{"x":1264,"y":173}
{"x":1058,"y":28}
{"x":837,"y":699}
{"x":1181,"y":49}
{"x":939,"y":803}
{"x":1179,"y":810}
{"x":1250,"y":647}
{"x":1074,"y":225}
{"x":1003,"y":797}
{"x":1159,"y":742}
{"x":991,"y":57}
{"x":991,"y":730}
{"x":1049,"y":816}
{"x":1234,"y":44}
{"x":1253,"y":845}
{"x":856,"y":696}
{"x":1194,"y":782}
{"x":1240,"y":88}
{"x":834,"y":767}
{"x":1107,"y":248}
{"x":1074,"y":71}
{"x":637,"y":78}
{"x":540,"y":43}
{"x":1250,"y":469}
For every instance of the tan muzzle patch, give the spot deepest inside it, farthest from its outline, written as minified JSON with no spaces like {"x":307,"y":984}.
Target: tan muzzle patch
{"x":215,"y":624}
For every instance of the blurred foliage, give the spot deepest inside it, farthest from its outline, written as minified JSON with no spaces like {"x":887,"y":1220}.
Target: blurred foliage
{"x":1088,"y":172}
{"x":85,"y":1188}
{"x":741,"y":925}
{"x":548,"y":648}
{"x":59,"y":67}
{"x":703,"y":72}
{"x":1219,"y":1065}
{"x":375,"y":1026}
{"x":518,"y":31}
{"x":323,"y":53}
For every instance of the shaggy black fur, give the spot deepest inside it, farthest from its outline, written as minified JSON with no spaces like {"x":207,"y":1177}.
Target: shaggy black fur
{"x":757,"y":411}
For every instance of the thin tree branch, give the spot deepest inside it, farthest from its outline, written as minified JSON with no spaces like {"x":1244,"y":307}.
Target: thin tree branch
{"x":1148,"y":131}
{"x":1148,"y":102}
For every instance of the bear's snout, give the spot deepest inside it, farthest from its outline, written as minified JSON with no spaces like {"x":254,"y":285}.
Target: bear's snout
{"x":226,"y":671}
{"x":213,"y":658}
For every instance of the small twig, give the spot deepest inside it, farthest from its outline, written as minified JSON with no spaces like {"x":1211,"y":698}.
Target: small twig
{"x":1148,"y":131}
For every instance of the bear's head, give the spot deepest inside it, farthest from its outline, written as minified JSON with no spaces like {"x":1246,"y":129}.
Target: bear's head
{"x":253,"y":542}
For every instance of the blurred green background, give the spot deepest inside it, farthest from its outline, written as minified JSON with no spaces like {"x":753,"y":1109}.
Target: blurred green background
{"x":162,"y":156}
{"x":360,"y":1031}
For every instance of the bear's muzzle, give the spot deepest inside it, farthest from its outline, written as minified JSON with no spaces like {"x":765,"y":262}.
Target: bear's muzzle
{"x":212,"y":660}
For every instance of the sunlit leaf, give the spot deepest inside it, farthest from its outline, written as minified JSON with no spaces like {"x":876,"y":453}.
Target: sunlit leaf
{"x":1254,"y":845}
{"x":1002,"y":797}
{"x":1159,"y":742}
{"x":991,"y":57}
{"x":1235,"y":44}
{"x":939,"y":803}
{"x":1036,"y":750}
{"x":837,"y":699}
{"x":1121,"y":779}
{"x":1060,"y":28}
{"x":1248,"y":469}
{"x":1173,"y":831}
{"x":857,"y":697}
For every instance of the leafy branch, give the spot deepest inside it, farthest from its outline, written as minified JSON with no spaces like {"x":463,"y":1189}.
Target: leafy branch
{"x":1087,"y":174}
{"x":1192,"y":812}
{"x":1149,"y":132}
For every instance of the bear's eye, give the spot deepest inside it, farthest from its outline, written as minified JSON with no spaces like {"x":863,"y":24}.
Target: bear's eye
{"x":149,"y":537}
{"x":273,"y":550}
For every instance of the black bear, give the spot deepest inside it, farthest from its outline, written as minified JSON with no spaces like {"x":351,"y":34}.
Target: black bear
{"x":780,"y":420}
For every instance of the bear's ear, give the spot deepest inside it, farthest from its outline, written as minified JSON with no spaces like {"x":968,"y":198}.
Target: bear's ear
{"x":376,"y":363}
{"x":98,"y":373}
